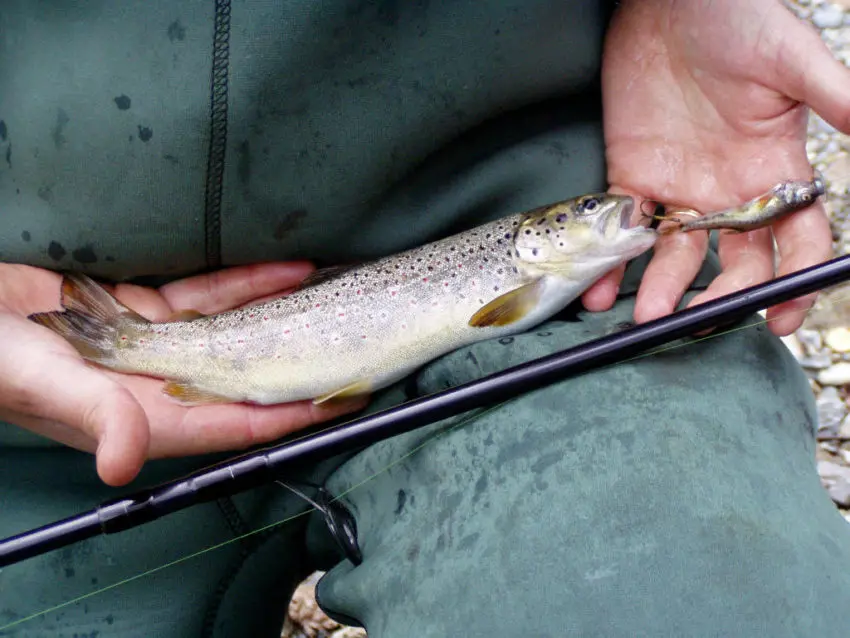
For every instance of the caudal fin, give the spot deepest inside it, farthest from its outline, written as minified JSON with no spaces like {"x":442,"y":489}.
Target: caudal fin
{"x":93,"y":320}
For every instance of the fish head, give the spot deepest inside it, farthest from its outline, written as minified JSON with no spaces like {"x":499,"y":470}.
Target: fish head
{"x":580,"y":238}
{"x":800,"y":194}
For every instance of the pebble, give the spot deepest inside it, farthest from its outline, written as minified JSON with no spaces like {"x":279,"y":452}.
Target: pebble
{"x":828,"y":17}
{"x":838,"y":339}
{"x":837,"y":374}
{"x":832,"y":411}
{"x":839,"y":492}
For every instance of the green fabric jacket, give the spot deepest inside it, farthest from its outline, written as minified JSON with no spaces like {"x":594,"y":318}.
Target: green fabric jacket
{"x":167,"y":137}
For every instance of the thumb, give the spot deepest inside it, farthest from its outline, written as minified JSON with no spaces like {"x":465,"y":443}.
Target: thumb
{"x":58,"y":388}
{"x":809,"y":73}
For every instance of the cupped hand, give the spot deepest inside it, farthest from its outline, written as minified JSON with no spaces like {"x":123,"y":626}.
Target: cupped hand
{"x":705,"y":106}
{"x":46,"y":387}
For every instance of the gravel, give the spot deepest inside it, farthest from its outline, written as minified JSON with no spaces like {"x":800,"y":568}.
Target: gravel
{"x":822,"y":346}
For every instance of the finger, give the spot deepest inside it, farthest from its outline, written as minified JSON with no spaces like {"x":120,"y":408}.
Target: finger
{"x":810,"y":73}
{"x":213,"y":292}
{"x":55,"y":385}
{"x":677,"y":260}
{"x":178,"y":430}
{"x":804,"y":239}
{"x":746,"y":259}
{"x":233,"y":287}
{"x":602,"y":295}
{"x":25,"y":289}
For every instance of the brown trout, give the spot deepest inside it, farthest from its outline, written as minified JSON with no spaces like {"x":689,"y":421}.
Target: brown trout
{"x":781,"y":200}
{"x":349,"y":332}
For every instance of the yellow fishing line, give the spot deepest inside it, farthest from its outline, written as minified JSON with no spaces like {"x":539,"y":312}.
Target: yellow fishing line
{"x":366,"y":480}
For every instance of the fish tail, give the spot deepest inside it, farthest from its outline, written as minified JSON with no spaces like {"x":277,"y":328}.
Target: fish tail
{"x":92,"y":321}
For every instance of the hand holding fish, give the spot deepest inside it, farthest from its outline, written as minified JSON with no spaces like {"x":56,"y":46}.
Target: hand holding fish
{"x":47,"y":388}
{"x":706,"y":106}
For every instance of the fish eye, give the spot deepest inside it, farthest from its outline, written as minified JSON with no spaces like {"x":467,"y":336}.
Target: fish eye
{"x":588,"y":205}
{"x":806,"y":197}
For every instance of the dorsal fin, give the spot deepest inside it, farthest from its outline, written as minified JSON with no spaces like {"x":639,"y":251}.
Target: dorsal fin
{"x":324,"y":274}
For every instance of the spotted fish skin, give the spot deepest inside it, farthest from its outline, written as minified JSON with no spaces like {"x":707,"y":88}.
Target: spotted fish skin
{"x":368,"y":326}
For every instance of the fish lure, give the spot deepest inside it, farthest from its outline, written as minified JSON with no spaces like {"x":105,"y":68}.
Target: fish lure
{"x":781,"y":200}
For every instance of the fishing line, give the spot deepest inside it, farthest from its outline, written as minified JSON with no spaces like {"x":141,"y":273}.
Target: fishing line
{"x":264,"y":528}
{"x":435,"y":437}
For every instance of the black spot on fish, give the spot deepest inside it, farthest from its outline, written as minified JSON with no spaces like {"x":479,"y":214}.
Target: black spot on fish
{"x":145,"y":133}
{"x":122,"y":102}
{"x":58,"y":130}
{"x":528,"y":231}
{"x":545,"y":333}
{"x":110,"y":258}
{"x":69,"y":572}
{"x":4,"y":132}
{"x":9,"y":155}
{"x":289,"y":223}
{"x":26,"y":235}
{"x":85,"y":255}
{"x":56,"y":251}
{"x":506,"y":341}
{"x":176,"y":31}
{"x":534,"y":252}
{"x":170,"y":158}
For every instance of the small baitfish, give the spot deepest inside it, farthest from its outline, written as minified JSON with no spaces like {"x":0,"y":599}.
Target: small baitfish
{"x":781,"y":200}
{"x":349,"y":332}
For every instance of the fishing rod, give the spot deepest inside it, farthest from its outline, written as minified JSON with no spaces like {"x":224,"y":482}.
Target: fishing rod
{"x":261,"y":467}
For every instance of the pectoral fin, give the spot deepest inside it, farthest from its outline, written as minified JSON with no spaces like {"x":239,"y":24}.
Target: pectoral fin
{"x":190,"y":395}
{"x":510,"y":307}
{"x":356,"y":389}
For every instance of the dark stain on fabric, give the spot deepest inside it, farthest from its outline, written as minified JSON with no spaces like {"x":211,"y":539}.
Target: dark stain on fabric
{"x":171,"y":159}
{"x":56,"y":251}
{"x":110,"y":258}
{"x":4,"y":131}
{"x":46,"y":193}
{"x":109,"y":619}
{"x":176,"y":31}
{"x":58,"y":130}
{"x":145,"y":133}
{"x":480,"y":487}
{"x":469,"y":541}
{"x":122,"y":102}
{"x":26,"y":235}
{"x":243,"y":163}
{"x":9,"y":155}
{"x":289,"y":223}
{"x":472,"y":358}
{"x":401,"y":500}
{"x":545,"y":461}
{"x":69,"y":572}
{"x":85,"y":255}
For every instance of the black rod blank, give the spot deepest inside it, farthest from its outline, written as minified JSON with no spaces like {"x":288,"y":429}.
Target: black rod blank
{"x":257,"y":468}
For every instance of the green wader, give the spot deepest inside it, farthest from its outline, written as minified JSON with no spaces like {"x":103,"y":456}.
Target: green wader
{"x":673,"y":495}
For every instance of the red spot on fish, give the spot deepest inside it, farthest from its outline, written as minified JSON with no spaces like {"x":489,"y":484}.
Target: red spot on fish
{"x":306,"y":325}
{"x":265,"y":318}
{"x":200,"y":345}
{"x":446,"y":284}
{"x":362,"y":336}
{"x":480,"y":267}
{"x":394,"y":293}
{"x":359,"y":291}
{"x":123,"y":338}
{"x":460,"y":265}
{"x":342,"y":314}
{"x":318,"y":305}
{"x":424,"y":278}
{"x":251,"y":316}
{"x":286,"y":332}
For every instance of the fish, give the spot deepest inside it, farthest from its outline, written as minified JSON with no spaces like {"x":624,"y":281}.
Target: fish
{"x":781,"y":200}
{"x":349,"y":331}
